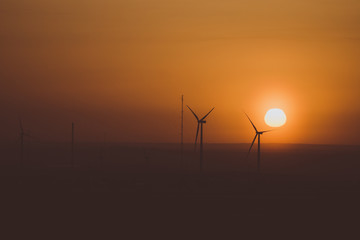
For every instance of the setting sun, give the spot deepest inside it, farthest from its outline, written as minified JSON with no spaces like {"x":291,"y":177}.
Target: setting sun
{"x":275,"y":117}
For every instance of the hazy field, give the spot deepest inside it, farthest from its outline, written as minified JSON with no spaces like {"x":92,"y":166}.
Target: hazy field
{"x":144,"y":186}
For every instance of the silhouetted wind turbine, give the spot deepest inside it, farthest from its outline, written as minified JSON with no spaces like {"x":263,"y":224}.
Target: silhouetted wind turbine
{"x":72,"y":143}
{"x":257,"y":135}
{"x":200,"y":125}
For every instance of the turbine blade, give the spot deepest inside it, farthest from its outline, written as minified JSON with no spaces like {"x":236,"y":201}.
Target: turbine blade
{"x":251,"y":123}
{"x":267,"y":131}
{"x":197,"y":133}
{"x":251,"y":145}
{"x":207,"y":114}
{"x":193,"y":113}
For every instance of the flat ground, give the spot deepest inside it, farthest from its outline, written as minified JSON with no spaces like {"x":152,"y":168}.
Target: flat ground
{"x":143,"y":190}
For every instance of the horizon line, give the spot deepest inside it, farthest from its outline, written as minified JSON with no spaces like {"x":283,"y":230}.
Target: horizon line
{"x":119,"y":142}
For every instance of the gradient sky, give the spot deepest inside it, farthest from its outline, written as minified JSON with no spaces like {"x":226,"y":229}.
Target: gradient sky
{"x":120,"y":67}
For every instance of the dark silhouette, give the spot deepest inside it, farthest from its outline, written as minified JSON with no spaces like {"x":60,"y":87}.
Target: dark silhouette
{"x":72,"y":143}
{"x":200,"y":124}
{"x":182,"y":129}
{"x":258,"y":134}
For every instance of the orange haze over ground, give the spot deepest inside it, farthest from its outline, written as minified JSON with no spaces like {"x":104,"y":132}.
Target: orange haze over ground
{"x":120,"y":67}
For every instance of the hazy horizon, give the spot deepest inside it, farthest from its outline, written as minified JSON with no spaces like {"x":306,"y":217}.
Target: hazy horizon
{"x":101,"y":142}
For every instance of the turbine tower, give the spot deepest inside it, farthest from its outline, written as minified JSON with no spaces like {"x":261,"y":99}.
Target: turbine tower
{"x":200,"y":125}
{"x":182,"y":129}
{"x":257,"y":135}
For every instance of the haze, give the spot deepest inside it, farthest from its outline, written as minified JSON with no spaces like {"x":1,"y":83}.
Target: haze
{"x":120,"y":67}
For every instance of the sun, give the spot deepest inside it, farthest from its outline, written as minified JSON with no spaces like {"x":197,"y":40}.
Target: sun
{"x":275,"y":117}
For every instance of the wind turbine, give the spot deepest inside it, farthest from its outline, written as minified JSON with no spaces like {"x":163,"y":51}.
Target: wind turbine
{"x":72,"y":143}
{"x":200,"y":125}
{"x":257,"y":135}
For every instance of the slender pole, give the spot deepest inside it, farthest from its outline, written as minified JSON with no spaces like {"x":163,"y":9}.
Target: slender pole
{"x":72,"y":143}
{"x":258,"y":160}
{"x":182,"y":128}
{"x":201,"y":147}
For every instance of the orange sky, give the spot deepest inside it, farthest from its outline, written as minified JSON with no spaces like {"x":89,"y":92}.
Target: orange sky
{"x":120,"y":67}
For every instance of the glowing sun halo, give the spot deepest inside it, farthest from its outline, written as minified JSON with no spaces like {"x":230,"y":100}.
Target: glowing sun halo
{"x":275,"y":117}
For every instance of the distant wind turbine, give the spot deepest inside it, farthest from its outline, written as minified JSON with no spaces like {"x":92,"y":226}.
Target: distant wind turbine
{"x":257,"y":135}
{"x":72,"y":143}
{"x":200,"y":125}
